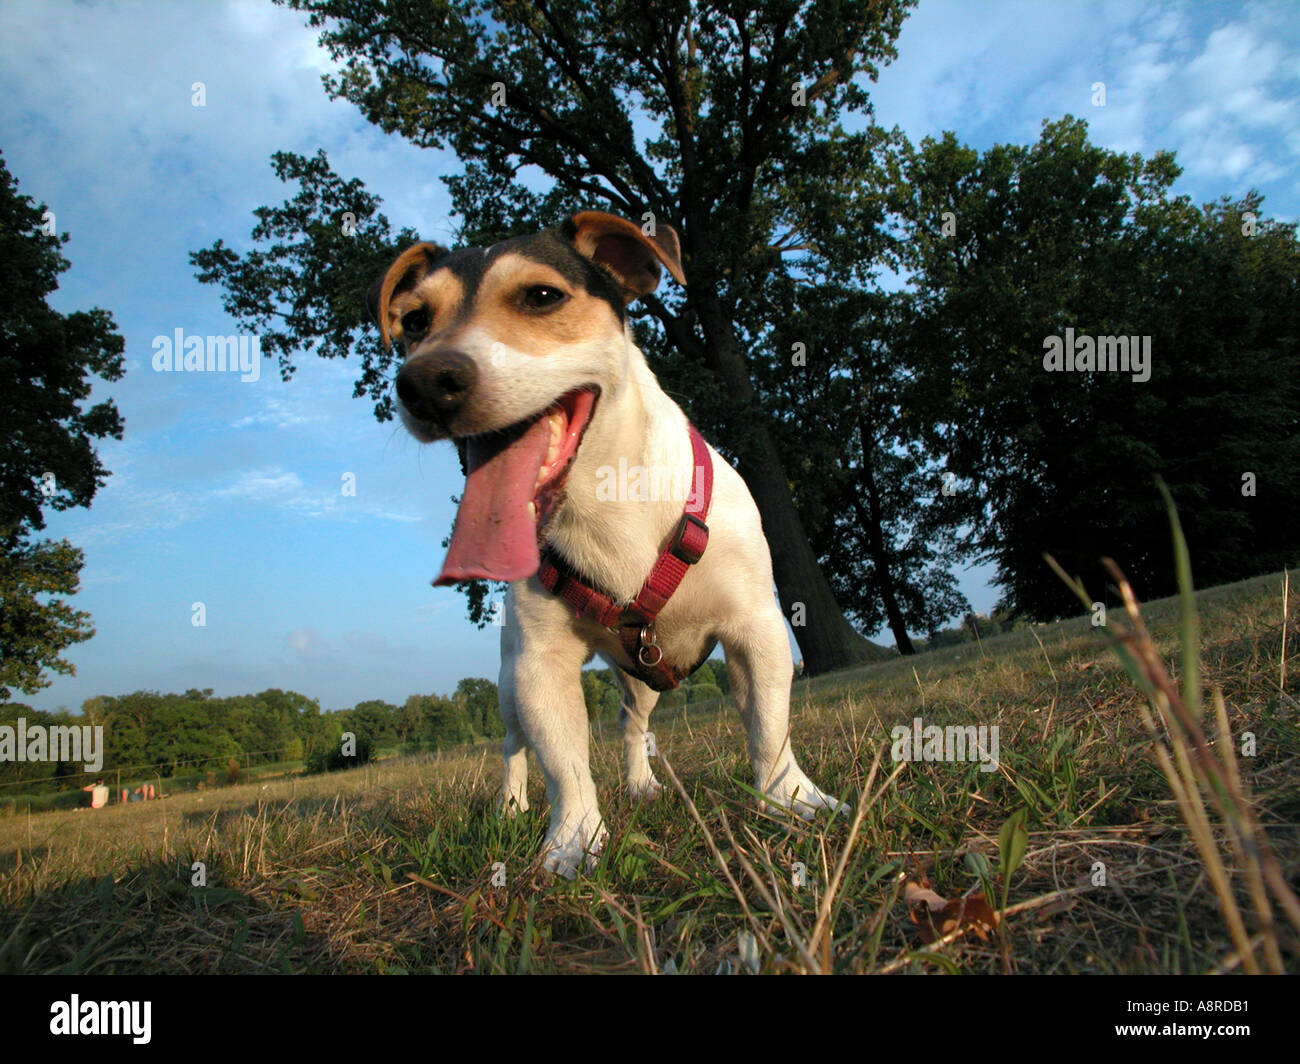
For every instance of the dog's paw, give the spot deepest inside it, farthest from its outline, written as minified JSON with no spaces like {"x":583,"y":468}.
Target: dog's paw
{"x":511,"y":805}
{"x":797,"y":793}
{"x":572,"y":847}
{"x":645,"y":789}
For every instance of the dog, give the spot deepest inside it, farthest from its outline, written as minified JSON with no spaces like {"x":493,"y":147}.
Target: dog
{"x":522,"y":354}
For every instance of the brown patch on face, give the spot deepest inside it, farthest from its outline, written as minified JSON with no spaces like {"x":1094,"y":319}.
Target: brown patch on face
{"x":441,"y":294}
{"x":499,"y":308}
{"x":408,"y":285}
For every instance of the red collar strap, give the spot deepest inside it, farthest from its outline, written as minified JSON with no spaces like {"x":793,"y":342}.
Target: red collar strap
{"x":634,"y":623}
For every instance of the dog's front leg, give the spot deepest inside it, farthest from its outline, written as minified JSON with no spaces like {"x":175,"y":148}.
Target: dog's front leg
{"x":550,"y":708}
{"x":760,"y":669}
{"x":634,"y":713}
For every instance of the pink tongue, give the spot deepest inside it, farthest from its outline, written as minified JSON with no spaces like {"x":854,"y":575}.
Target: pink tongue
{"x":495,"y":537}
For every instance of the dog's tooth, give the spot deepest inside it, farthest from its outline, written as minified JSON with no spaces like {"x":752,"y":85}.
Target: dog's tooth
{"x":556,"y":422}
{"x":532,"y":510}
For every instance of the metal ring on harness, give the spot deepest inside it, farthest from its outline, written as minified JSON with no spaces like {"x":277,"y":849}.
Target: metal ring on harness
{"x":647,"y":644}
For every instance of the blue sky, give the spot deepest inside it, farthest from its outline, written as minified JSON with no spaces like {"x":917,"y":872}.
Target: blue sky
{"x":229,"y":493}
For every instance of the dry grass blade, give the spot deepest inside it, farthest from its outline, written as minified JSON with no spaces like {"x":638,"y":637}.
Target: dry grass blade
{"x":1286,"y":600}
{"x":1199,"y":771}
{"x":754,"y":925}
{"x":820,"y":939}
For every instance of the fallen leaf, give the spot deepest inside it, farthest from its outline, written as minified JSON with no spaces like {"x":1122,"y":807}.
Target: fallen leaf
{"x":936,"y":917}
{"x":920,"y":893}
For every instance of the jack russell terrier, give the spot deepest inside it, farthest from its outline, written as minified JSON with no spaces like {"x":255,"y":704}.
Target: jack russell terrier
{"x":522,"y":354}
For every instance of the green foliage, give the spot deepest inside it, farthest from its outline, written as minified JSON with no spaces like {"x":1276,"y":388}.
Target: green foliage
{"x":602,"y":694}
{"x":336,"y":760}
{"x":375,"y":718}
{"x":1065,"y":234}
{"x":1013,"y":841}
{"x":867,"y":487}
{"x":36,"y":629}
{"x":674,"y":699}
{"x":35,"y":772}
{"x":973,"y":626}
{"x":172,"y":735}
{"x":714,"y":673}
{"x":193,"y":736}
{"x":703,"y":692}
{"x":48,"y":365}
{"x":481,"y":703}
{"x":431,"y":722}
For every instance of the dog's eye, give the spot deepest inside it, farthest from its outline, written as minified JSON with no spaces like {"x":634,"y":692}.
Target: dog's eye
{"x":543,"y":296}
{"x":415,"y":324}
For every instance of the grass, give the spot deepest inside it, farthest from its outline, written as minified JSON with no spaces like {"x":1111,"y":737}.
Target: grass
{"x":391,"y":868}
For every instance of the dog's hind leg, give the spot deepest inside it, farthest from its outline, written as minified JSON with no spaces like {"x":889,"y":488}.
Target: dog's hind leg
{"x":514,"y":747}
{"x":638,"y":744}
{"x":760,"y":670}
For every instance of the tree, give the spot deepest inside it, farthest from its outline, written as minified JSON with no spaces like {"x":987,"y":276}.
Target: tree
{"x":34,"y":631}
{"x":452,"y":723}
{"x":47,"y":456}
{"x":292,"y":723}
{"x":869,"y":488}
{"x":745,"y":103}
{"x":1065,"y":235}
{"x":601,"y":693}
{"x":376,"y":718}
{"x":481,"y":703}
{"x":443,"y":722}
{"x":184,"y":732}
{"x":712,"y":672}
{"x":411,"y":720}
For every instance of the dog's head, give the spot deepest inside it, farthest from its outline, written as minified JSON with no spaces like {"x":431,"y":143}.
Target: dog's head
{"x":507,"y":351}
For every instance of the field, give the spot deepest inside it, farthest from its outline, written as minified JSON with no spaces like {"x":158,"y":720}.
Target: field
{"x":397,"y":867}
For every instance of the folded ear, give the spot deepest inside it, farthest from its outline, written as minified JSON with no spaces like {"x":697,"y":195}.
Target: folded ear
{"x":624,"y":249}
{"x":411,"y":267}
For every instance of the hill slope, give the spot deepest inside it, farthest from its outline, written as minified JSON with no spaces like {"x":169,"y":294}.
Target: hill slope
{"x":392,"y":866}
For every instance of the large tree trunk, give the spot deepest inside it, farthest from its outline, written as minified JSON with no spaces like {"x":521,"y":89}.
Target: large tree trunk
{"x":825,"y":637}
{"x":869,"y":516}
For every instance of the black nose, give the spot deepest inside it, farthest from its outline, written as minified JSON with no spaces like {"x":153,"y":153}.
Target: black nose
{"x":434,"y":387}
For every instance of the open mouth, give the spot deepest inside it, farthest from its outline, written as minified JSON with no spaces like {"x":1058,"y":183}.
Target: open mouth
{"x":514,"y":481}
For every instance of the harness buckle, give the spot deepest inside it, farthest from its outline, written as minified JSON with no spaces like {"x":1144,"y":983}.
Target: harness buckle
{"x":691,"y":539}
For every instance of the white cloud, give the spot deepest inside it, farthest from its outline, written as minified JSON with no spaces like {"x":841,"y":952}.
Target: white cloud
{"x":1216,"y":83}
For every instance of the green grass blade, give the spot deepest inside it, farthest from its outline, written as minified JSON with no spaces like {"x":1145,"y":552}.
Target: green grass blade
{"x":1189,"y":624}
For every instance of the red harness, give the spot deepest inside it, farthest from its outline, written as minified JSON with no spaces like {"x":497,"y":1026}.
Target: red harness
{"x":634,"y":623}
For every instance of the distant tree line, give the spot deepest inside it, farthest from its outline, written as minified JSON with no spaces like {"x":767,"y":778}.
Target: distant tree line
{"x":170,"y":736}
{"x":973,"y":627}
{"x":602,"y":693}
